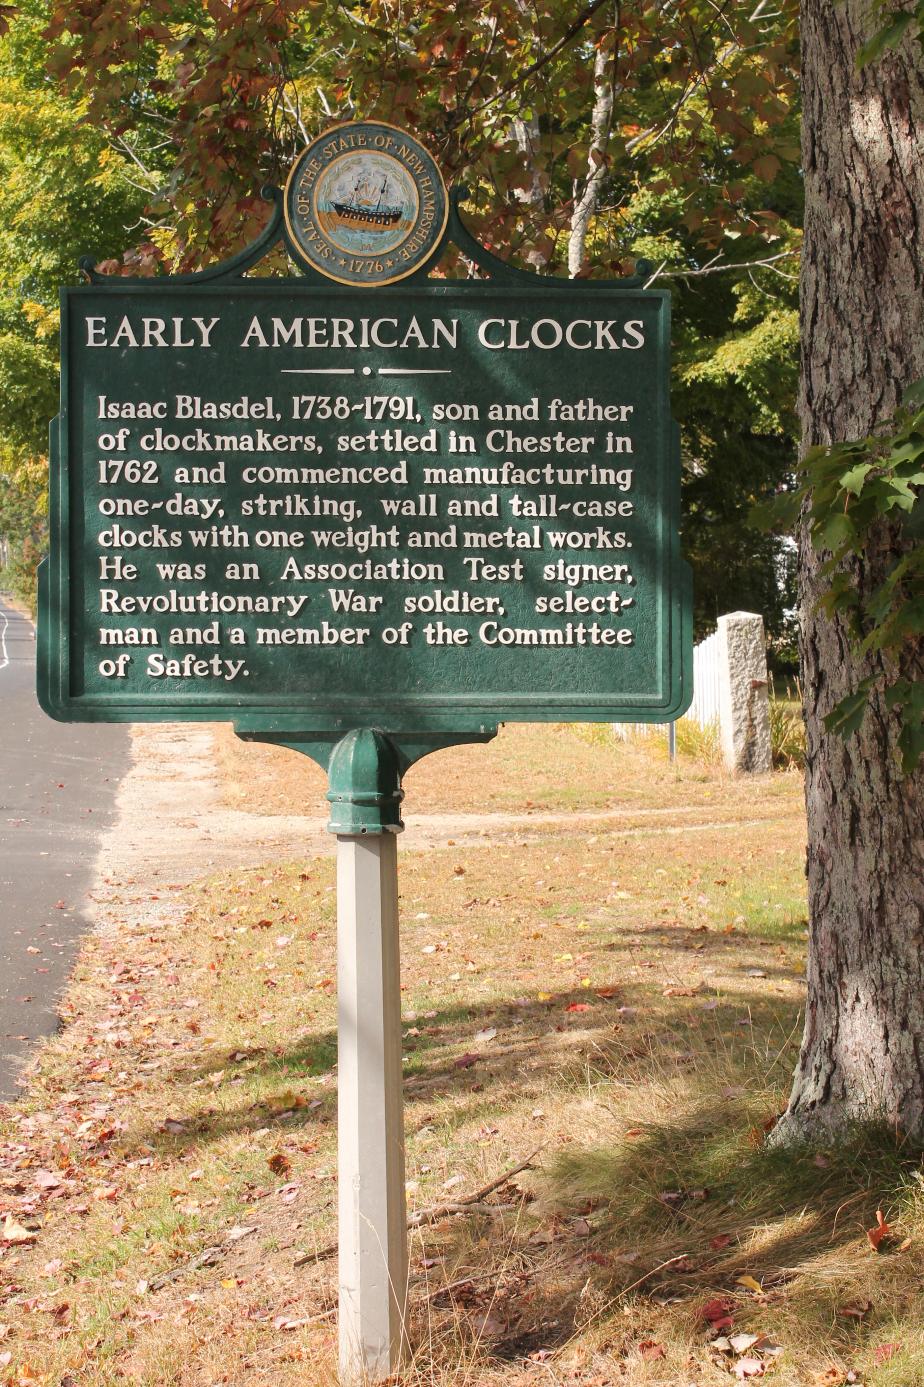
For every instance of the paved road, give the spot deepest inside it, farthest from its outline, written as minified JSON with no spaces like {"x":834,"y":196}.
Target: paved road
{"x":57,"y":790}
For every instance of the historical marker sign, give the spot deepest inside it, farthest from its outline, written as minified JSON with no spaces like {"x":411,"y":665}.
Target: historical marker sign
{"x":367,"y":514}
{"x":422,"y":507}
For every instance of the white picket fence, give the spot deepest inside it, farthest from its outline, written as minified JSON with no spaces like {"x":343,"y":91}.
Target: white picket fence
{"x":705,"y":708}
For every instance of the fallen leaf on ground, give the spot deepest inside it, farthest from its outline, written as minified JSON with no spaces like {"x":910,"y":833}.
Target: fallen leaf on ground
{"x":239,"y":1231}
{"x":882,"y":1230}
{"x":14,"y":1232}
{"x":749,"y":1283}
{"x":749,"y":1367}
{"x":718,"y":1312}
{"x":742,"y":1342}
{"x":651,"y":1351}
{"x":886,"y":1351}
{"x":279,"y":1163}
{"x":719,"y":1241}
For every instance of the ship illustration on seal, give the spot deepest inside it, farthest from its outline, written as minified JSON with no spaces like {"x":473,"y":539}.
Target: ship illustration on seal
{"x":368,"y":206}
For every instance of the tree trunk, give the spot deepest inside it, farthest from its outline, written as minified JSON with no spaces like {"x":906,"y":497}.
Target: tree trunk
{"x":585,"y":203}
{"x":526,"y":133}
{"x":862,"y":343}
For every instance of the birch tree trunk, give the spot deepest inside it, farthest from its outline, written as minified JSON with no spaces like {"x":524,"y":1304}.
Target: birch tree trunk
{"x":862,"y":342}
{"x":585,"y":203}
{"x":526,"y":133}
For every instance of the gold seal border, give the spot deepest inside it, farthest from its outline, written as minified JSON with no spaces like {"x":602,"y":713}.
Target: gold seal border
{"x":357,"y":283}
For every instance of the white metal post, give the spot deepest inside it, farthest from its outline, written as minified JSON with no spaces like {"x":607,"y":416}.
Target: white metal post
{"x":372,"y":1209}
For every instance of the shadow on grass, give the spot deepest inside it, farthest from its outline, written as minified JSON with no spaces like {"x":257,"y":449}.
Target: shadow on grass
{"x":654,"y":1207}
{"x":630,"y":1039}
{"x":659,"y":1229}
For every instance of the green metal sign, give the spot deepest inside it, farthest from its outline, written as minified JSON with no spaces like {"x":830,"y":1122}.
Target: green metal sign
{"x":310,"y":507}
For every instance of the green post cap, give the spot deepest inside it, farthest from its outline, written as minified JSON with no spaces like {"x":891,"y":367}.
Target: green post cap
{"x":365,"y":784}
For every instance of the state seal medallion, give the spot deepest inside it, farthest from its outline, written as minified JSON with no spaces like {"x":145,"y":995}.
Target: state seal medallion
{"x":365,"y":204}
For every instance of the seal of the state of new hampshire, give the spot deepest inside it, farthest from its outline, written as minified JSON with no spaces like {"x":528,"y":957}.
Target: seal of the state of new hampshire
{"x":365,"y":204}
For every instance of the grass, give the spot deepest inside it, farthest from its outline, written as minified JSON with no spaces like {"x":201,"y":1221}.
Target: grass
{"x":623,"y":993}
{"x":787,"y":730}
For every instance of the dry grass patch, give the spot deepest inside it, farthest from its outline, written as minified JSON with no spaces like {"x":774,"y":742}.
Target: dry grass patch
{"x":625,"y":998}
{"x":527,"y":767}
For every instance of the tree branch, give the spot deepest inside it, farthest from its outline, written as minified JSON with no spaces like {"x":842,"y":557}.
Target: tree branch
{"x":712,"y":269}
{"x":469,"y":1203}
{"x":570,"y":33}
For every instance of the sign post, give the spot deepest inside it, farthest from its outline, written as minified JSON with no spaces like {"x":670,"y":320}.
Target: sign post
{"x":365,"y":795}
{"x":365,"y":512}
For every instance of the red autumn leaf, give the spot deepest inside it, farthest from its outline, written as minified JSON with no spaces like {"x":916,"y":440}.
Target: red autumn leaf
{"x":884,"y":1352}
{"x":882,"y":1230}
{"x":578,"y":1006}
{"x":465,"y":1061}
{"x":719,"y":1241}
{"x":718,"y":1312}
{"x":650,"y":1351}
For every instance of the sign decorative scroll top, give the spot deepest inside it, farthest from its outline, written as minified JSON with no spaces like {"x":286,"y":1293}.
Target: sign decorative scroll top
{"x":359,"y":495}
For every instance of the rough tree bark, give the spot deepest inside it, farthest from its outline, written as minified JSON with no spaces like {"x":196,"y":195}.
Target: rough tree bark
{"x":863,"y":343}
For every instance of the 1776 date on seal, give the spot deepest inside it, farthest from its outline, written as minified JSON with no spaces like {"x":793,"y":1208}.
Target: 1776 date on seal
{"x":365,"y":203}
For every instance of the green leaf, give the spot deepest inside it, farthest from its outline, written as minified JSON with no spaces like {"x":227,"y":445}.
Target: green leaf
{"x":853,"y":480}
{"x":911,"y":745}
{"x":835,"y":532}
{"x":914,"y":396}
{"x":781,"y":512}
{"x":846,"y":717}
{"x":888,"y":37}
